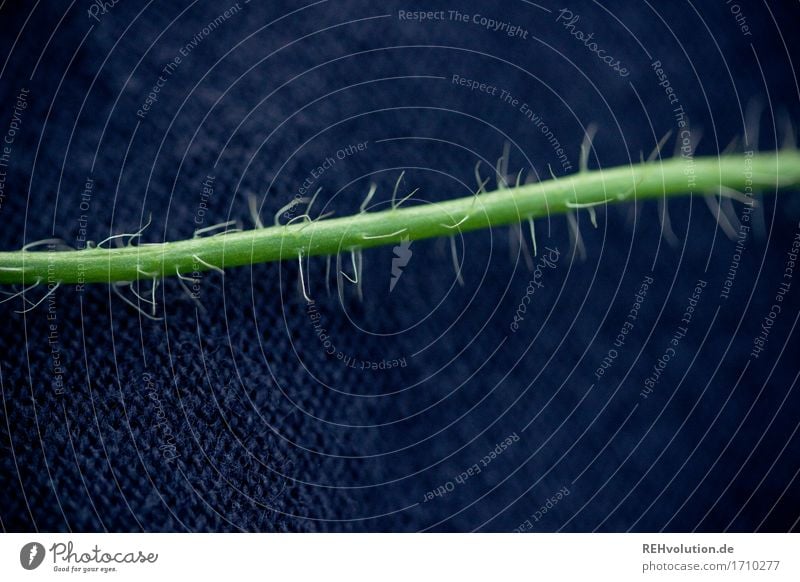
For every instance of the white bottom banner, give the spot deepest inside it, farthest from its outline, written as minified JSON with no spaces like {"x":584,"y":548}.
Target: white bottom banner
{"x":356,"y":557}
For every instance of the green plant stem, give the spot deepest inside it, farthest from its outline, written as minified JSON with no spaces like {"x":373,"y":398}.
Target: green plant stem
{"x":649,"y":180}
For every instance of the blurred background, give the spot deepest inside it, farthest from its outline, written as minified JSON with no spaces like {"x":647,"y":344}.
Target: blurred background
{"x":410,"y":401}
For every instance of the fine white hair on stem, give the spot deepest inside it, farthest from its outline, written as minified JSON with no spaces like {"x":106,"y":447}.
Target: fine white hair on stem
{"x":457,"y":224}
{"x":517,"y":243}
{"x":228,"y":231}
{"x":311,"y":202}
{"x":302,"y":279}
{"x":390,"y":234}
{"x":731,"y":147}
{"x":56,"y":242}
{"x":592,"y":215}
{"x":357,"y":262}
{"x":533,"y":235}
{"x":287,"y":207}
{"x":324,"y":216}
{"x":752,"y":124}
{"x":113,"y":237}
{"x":153,"y":294}
{"x":359,"y":287}
{"x":589,"y":207}
{"x":720,"y":216}
{"x":38,"y":303}
{"x":209,"y":265}
{"x":145,"y":274}
{"x":306,"y":216}
{"x":456,"y":262}
{"x":657,"y":150}
{"x":576,"y":239}
{"x":666,"y":223}
{"x":396,"y":188}
{"x":518,"y":181}
{"x":116,"y":288}
{"x":303,"y":217}
{"x":365,"y":203}
{"x":532,"y":177}
{"x":252,"y":205}
{"x":586,"y":146}
{"x":481,"y":182}
{"x":408,"y":197}
{"x":339,"y":273}
{"x":355,"y":269}
{"x":222,"y":225}
{"x":501,"y":169}
{"x":136,"y":294}
{"x":130,"y":236}
{"x":131,"y":285}
{"x":328,"y":275}
{"x":695,"y":135}
{"x":189,"y":292}
{"x":191,"y":280}
{"x":727,"y":207}
{"x":622,"y":194}
{"x":22,"y":292}
{"x":726,"y":192}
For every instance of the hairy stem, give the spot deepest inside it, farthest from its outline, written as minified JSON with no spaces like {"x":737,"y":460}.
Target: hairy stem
{"x":650,"y":180}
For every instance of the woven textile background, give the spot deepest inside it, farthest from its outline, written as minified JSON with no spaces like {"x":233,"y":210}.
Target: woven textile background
{"x":249,"y":409}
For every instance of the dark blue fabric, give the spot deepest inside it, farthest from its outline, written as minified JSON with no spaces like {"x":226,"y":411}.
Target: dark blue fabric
{"x":233,"y":417}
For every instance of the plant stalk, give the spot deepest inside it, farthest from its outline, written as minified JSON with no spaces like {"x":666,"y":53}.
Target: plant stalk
{"x":765,"y":172}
